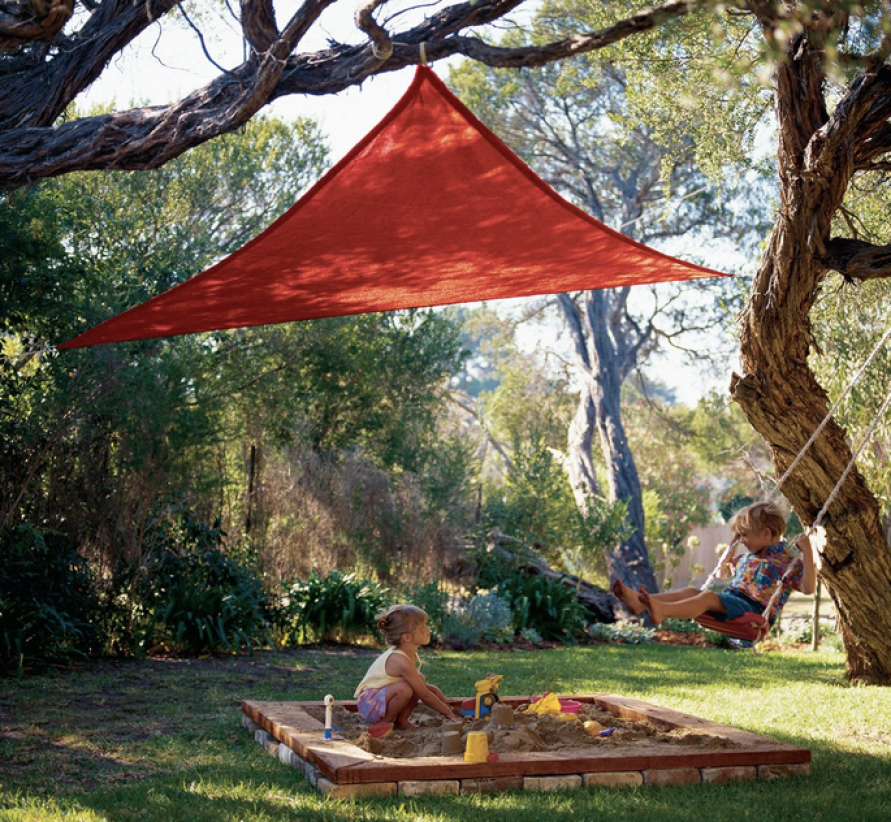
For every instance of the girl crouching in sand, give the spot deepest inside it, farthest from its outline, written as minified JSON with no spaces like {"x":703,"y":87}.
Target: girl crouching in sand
{"x":393,"y":684}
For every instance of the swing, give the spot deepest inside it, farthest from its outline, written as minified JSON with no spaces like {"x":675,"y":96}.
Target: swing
{"x":750,"y":627}
{"x":753,"y":627}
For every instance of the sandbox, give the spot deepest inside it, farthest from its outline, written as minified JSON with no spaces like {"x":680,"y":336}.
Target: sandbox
{"x":338,"y":768}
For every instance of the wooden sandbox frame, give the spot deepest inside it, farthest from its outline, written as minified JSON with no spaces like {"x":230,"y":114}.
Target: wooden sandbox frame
{"x":340,"y":769}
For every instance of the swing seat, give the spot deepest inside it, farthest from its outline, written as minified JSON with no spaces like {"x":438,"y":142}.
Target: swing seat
{"x":751,"y":627}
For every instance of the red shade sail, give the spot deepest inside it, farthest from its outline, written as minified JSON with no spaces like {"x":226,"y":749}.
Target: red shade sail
{"x":430,"y":208}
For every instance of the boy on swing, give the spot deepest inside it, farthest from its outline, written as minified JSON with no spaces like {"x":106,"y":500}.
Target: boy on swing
{"x":759,"y":527}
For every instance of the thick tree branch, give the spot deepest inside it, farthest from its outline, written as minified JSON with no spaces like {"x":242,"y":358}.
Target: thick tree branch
{"x":33,"y":97}
{"x":38,"y":96}
{"x":857,"y":260}
{"x":258,"y":24}
{"x":573,"y":317}
{"x":28,"y":21}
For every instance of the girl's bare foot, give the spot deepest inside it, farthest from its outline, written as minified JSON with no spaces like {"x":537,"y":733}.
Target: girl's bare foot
{"x":652,"y":605}
{"x":628,"y":596}
{"x":405,"y":726}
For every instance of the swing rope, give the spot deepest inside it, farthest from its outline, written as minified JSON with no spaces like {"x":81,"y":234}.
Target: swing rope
{"x":752,"y":626}
{"x":829,"y":413}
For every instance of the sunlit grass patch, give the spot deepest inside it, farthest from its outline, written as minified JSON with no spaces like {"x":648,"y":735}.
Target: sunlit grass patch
{"x":163,"y":740}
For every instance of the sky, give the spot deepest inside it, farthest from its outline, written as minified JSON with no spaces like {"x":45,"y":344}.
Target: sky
{"x":165,"y":64}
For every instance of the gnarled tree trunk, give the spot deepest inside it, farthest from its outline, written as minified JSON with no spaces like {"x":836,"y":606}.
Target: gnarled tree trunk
{"x":604,"y":361}
{"x":778,"y":391}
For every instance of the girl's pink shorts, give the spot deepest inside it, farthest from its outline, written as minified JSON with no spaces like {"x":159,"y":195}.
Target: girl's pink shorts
{"x":372,"y":705}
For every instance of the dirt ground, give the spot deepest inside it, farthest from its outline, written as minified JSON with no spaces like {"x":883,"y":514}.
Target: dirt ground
{"x":528,"y":732}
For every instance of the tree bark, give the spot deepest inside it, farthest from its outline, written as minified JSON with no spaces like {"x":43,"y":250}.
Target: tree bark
{"x":604,"y":363}
{"x":778,"y":392}
{"x":41,"y":80}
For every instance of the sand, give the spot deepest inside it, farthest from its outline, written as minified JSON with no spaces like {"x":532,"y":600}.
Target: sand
{"x":528,"y":732}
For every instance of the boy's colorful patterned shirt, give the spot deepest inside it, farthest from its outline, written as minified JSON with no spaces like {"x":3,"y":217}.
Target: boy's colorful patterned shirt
{"x":757,"y":575}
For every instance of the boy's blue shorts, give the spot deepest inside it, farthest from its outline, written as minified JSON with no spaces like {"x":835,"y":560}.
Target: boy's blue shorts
{"x":736,"y":604}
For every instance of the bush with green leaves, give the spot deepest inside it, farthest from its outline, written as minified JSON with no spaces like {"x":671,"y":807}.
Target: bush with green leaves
{"x":47,"y":602}
{"x":206,"y":601}
{"x":542,"y":603}
{"x":486,"y":617}
{"x":628,"y":633}
{"x":185,"y":594}
{"x":334,"y":607}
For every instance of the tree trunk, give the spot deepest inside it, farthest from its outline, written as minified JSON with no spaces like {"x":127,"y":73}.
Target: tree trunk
{"x":779,"y":393}
{"x":582,"y":473}
{"x":629,"y":560}
{"x":604,"y":362}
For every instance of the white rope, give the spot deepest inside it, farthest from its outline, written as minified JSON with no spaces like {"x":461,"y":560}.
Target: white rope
{"x":828,"y":417}
{"x":716,"y":572}
{"x":850,"y":465}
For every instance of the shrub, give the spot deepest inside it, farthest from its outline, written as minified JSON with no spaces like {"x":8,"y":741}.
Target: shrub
{"x":185,"y":594}
{"x":627,"y":633}
{"x":547,"y":605}
{"x":207,"y":602}
{"x":338,"y":606}
{"x":487,"y":616}
{"x":47,"y":603}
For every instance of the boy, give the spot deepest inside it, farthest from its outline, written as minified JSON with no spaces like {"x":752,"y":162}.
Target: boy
{"x":759,"y":527}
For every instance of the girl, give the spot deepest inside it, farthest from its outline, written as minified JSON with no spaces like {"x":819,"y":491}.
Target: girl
{"x":393,"y":685}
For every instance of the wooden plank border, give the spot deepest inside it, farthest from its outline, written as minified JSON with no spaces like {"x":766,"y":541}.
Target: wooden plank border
{"x":340,"y":768}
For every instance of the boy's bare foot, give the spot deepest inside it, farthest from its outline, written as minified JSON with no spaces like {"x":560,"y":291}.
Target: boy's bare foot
{"x":628,"y":596}
{"x":652,"y":605}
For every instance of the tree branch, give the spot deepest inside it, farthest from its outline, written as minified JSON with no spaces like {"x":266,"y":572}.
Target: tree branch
{"x":258,"y":24}
{"x":381,"y":42}
{"x":857,"y":260}
{"x":29,"y":21}
{"x":32,"y":98}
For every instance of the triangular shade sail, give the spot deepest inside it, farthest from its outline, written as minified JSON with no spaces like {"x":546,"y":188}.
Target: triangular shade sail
{"x":430,"y":208}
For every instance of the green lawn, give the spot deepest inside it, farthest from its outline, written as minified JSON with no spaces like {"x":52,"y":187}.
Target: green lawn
{"x":162,"y":740}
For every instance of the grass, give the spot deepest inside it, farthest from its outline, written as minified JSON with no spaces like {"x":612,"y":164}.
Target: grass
{"x":162,"y":740}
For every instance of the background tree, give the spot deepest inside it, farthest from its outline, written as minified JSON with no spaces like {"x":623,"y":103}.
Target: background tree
{"x":577,"y":124}
{"x":263,"y":430}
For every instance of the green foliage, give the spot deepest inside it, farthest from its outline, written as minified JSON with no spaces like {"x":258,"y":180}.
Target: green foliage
{"x":486,"y":617}
{"x":47,"y":603}
{"x":691,"y":626}
{"x":628,"y":633}
{"x":337,"y":606}
{"x":106,"y":433}
{"x":535,"y":503}
{"x":94,"y":441}
{"x":186,"y":595}
{"x":208,"y":603}
{"x":531,"y":635}
{"x":597,"y":529}
{"x":33,"y":264}
{"x":547,"y":605}
{"x":850,"y":322}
